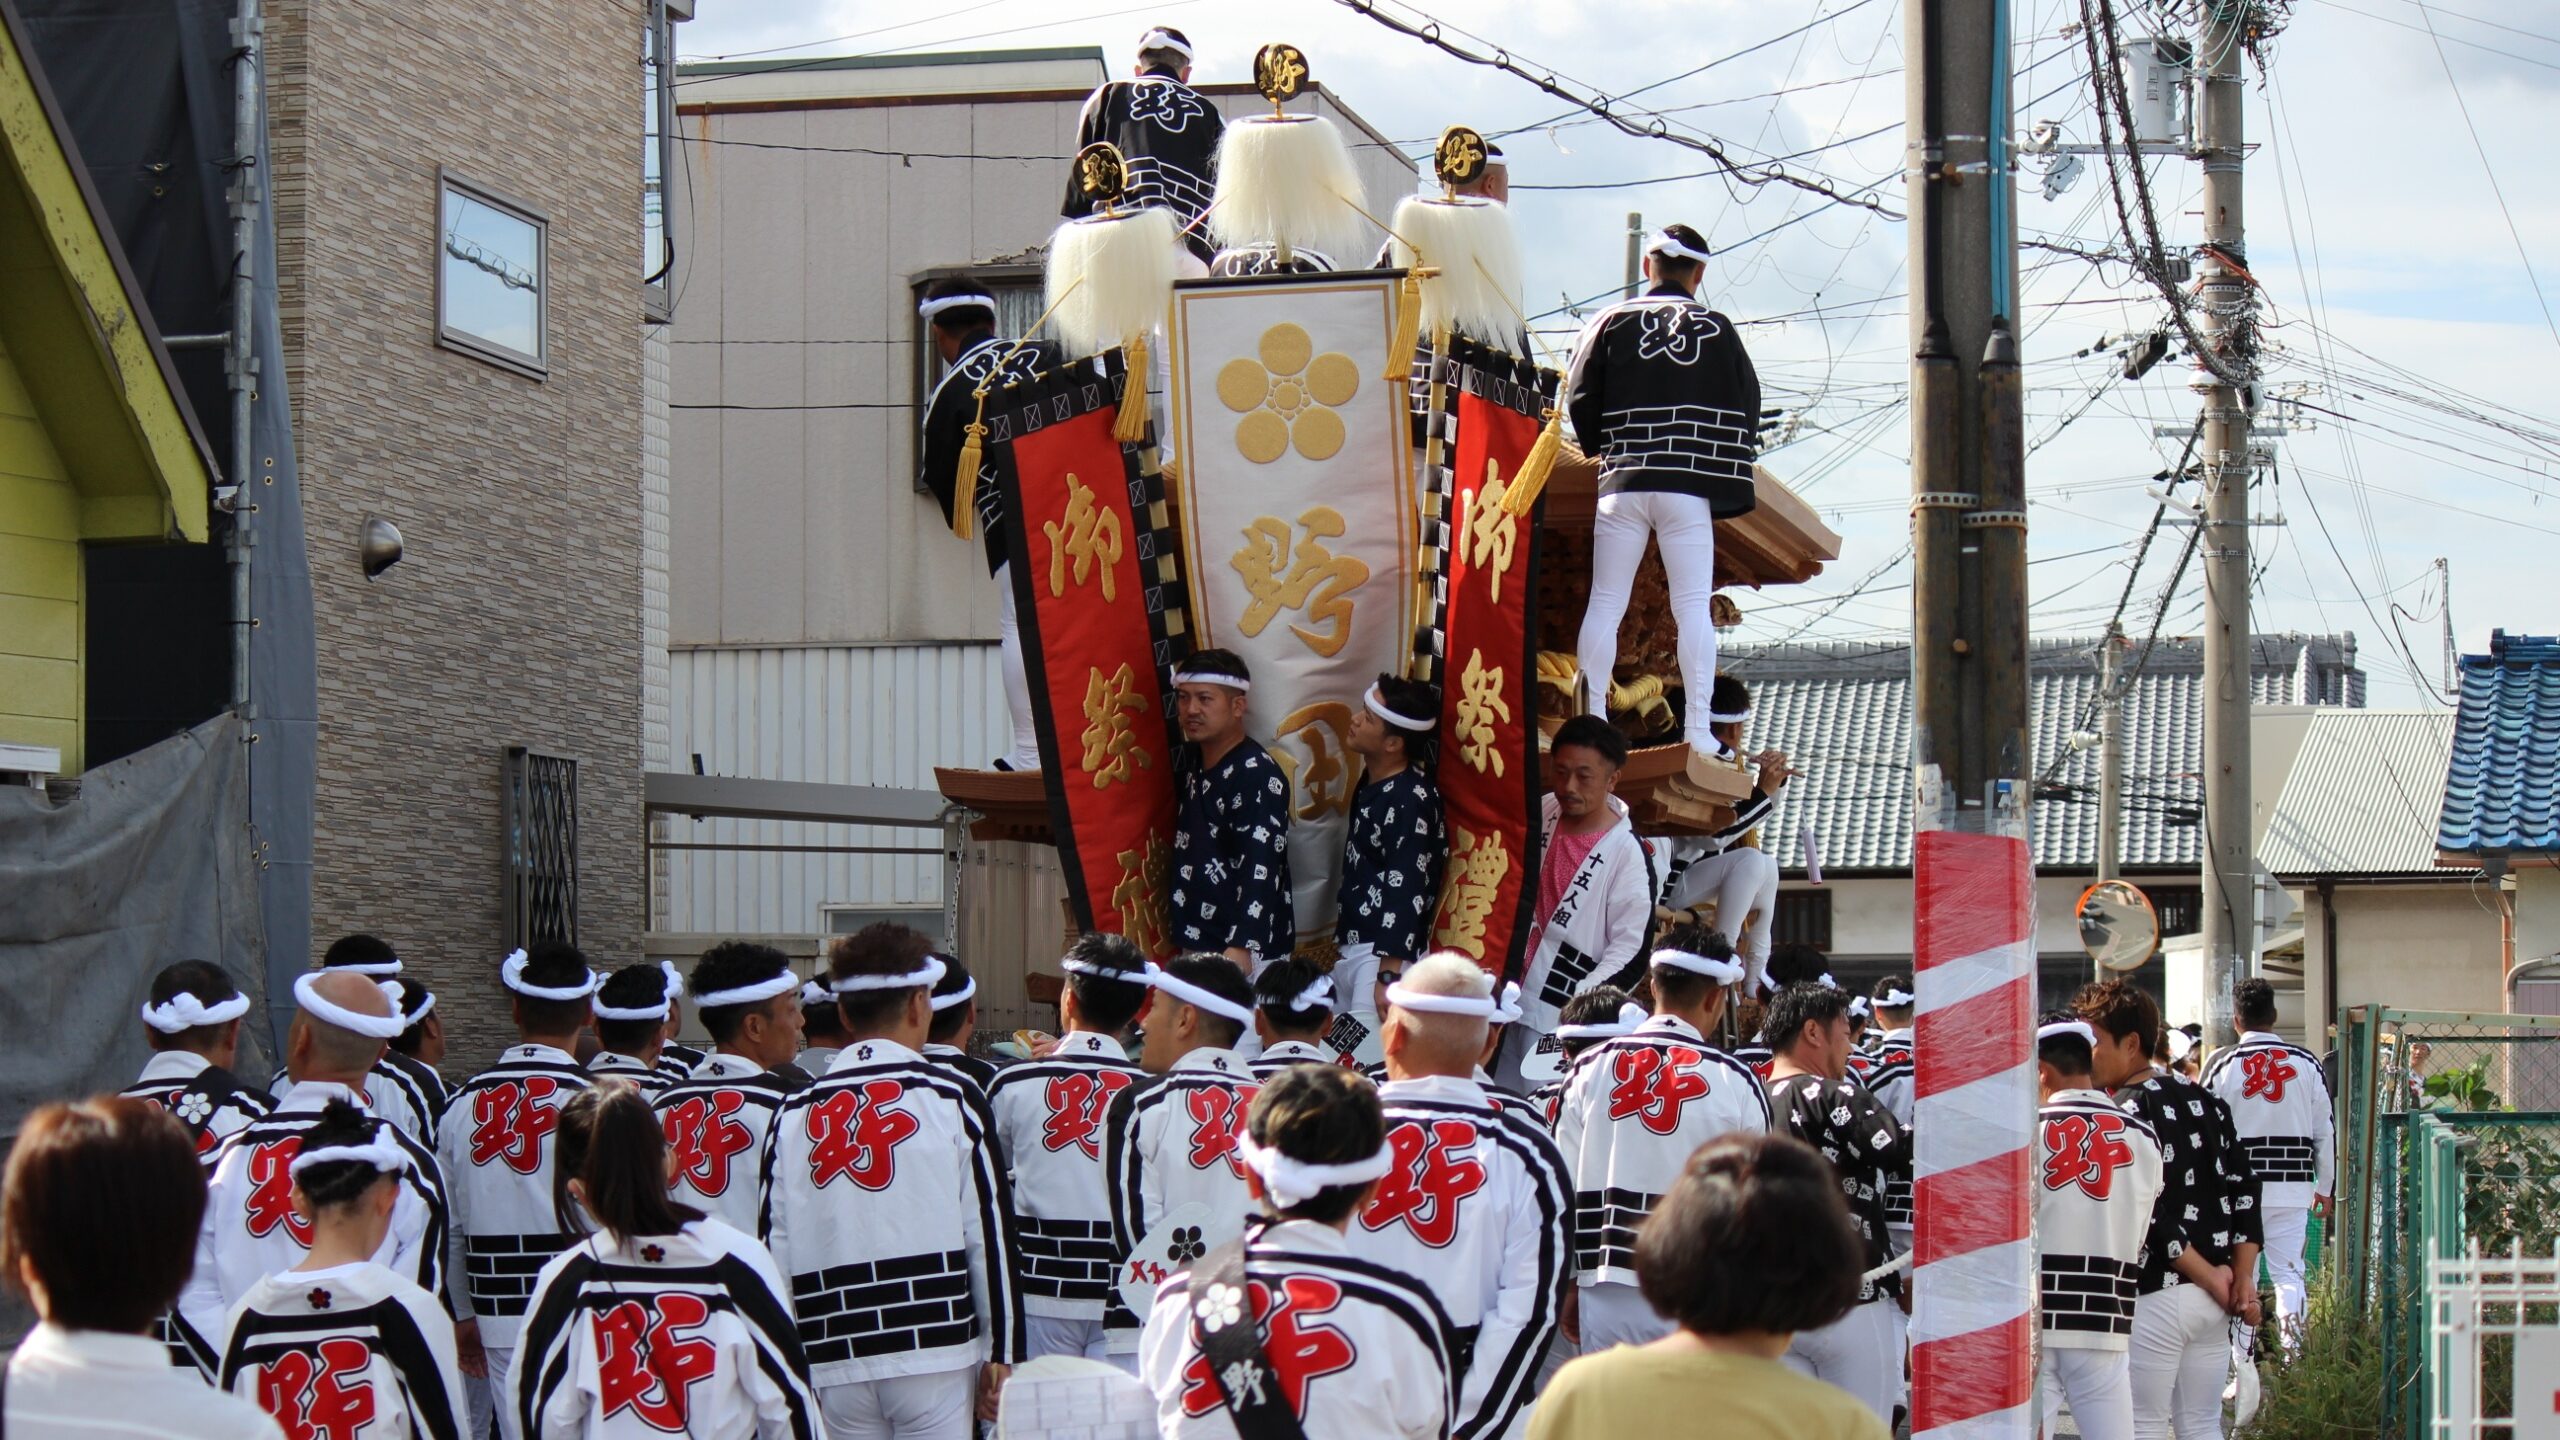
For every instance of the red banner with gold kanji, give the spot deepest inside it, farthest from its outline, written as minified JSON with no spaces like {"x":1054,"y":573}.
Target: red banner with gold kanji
{"x":1486,"y":416}
{"x":1091,"y":578}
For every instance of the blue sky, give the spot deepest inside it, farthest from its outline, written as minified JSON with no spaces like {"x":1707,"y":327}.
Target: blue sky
{"x":2418,"y":302}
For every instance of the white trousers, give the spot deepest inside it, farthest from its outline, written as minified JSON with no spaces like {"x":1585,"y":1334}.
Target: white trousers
{"x":1025,"y":751}
{"x":1618,"y":1314}
{"x":939,"y":1406}
{"x":1861,"y":1352}
{"x":1355,"y":981}
{"x":2288,"y":1229}
{"x":1743,"y":884}
{"x":2181,"y":1355}
{"x":1686,"y":530}
{"x":1078,"y":1339}
{"x":486,"y":1401}
{"x":2097,"y":1387}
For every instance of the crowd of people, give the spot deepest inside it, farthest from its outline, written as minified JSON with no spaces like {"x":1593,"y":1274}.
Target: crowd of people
{"x":844,"y":1219}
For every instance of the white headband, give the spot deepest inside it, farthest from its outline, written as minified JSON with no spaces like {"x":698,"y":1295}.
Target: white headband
{"x":636,"y":1012}
{"x":512,"y":973}
{"x":1728,"y":717}
{"x":1404,"y":997}
{"x":926,"y":978}
{"x":968,"y":991}
{"x":1378,"y":706}
{"x":1858,"y":1006}
{"x":1723,"y":972}
{"x":1630,"y":1015}
{"x":1666,"y":243}
{"x":1073,"y":966}
{"x":183,"y":1012}
{"x":1237,"y":683}
{"x":1291,"y":1183}
{"x":675,"y":981}
{"x":306,"y":993}
{"x":814,"y":993}
{"x":2179,"y":1046}
{"x":1826,"y":982}
{"x":1192,"y":995}
{"x":424,"y":1006}
{"x":381,"y":1152}
{"x":1896,"y":999}
{"x":930,"y":308}
{"x":1162,"y":39}
{"x":781,"y":984}
{"x":1506,"y":1008}
{"x":2060,"y":1028}
{"x":1318,"y":996}
{"x":375,"y":968}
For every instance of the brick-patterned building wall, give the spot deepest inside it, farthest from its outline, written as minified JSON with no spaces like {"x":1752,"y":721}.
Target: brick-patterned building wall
{"x":517,"y":617}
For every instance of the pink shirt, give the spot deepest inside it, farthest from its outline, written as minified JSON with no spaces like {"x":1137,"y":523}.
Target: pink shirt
{"x":1565,"y":853}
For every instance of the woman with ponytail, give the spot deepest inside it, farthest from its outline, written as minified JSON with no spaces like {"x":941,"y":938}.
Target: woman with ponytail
{"x":340,"y":1334}
{"x":662,"y":1320}
{"x":1284,"y":1316}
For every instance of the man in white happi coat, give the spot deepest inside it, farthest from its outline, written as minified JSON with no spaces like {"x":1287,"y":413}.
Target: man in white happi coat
{"x":2279,"y":1102}
{"x":1595,"y":887}
{"x":2098,"y":1173}
{"x":192,"y":1022}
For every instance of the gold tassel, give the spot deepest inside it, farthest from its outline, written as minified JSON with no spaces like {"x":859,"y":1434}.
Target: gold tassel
{"x":1534,"y":470}
{"x":964,"y":482}
{"x":1408,"y":328}
{"x":1131,"y":427}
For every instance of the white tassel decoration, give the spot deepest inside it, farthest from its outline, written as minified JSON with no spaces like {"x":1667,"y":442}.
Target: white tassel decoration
{"x":1288,"y":180}
{"x":1110,"y":278}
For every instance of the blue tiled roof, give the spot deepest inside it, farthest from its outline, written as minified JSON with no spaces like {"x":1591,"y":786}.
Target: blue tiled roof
{"x":2502,"y":793}
{"x":1842,"y":711}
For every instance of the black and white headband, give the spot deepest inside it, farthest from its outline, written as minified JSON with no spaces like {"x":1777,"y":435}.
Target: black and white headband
{"x":512,"y":975}
{"x":1378,"y":706}
{"x":1162,"y":39}
{"x":782,"y":982}
{"x":968,"y":989}
{"x":183,"y":1012}
{"x":1192,"y":995}
{"x":306,"y":993}
{"x":2060,"y":1028}
{"x":1630,"y":1015}
{"x":382,"y":1152}
{"x":1666,"y":243}
{"x":927,"y":977}
{"x":1723,"y":972}
{"x":927,"y":309}
{"x":1237,"y":683}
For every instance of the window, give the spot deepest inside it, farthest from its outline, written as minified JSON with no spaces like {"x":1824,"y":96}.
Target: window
{"x":1017,"y":290}
{"x":1803,"y":918}
{"x":539,"y":811}
{"x":491,"y":262}
{"x":2180,"y":908}
{"x":657,"y":254}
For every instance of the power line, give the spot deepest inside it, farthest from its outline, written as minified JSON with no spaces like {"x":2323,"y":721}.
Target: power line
{"x":2495,"y":189}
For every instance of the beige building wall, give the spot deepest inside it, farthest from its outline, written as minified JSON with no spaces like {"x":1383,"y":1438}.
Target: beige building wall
{"x":2426,"y":946}
{"x":516,"y":618}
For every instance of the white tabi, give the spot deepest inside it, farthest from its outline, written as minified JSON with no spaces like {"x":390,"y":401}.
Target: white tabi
{"x":250,"y":1231}
{"x":1634,"y":1110}
{"x":1172,"y":1141}
{"x":353,"y":1352}
{"x":1358,"y":1352}
{"x":1049,"y":1116}
{"x":1478,"y":1202}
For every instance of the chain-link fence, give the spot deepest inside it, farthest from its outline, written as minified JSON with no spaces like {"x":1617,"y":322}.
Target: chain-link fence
{"x":2449,"y":1139}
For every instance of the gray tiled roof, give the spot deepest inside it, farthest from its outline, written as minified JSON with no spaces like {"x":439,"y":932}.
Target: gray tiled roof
{"x":1842,"y":712}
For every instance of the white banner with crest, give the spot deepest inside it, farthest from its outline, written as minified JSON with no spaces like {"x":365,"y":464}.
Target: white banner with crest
{"x":1296,"y":494}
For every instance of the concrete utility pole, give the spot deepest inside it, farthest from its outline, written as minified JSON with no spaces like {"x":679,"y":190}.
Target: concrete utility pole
{"x":2110,"y":754}
{"x":1973,"y":877}
{"x":1635,"y":253}
{"x":2227,"y":300}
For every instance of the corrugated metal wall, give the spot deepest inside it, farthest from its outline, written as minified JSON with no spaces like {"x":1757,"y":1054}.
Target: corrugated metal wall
{"x":844,"y":715}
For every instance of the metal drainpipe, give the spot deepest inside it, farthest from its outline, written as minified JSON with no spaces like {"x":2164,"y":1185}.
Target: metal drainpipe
{"x":247,"y":186}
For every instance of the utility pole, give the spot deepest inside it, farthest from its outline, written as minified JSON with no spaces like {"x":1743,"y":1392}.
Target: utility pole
{"x":1973,"y":876}
{"x":1635,"y":253}
{"x":2110,"y":754}
{"x":2444,"y":607}
{"x":2228,"y":302}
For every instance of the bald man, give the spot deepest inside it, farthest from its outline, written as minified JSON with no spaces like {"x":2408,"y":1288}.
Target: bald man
{"x":1479,"y":1198}
{"x":250,"y":1230}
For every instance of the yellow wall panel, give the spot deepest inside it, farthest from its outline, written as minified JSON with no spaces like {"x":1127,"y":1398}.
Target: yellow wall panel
{"x":46,"y":569}
{"x":44,"y":629}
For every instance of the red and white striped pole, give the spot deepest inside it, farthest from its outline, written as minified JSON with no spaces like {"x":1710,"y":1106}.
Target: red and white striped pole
{"x":1974,"y":1267}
